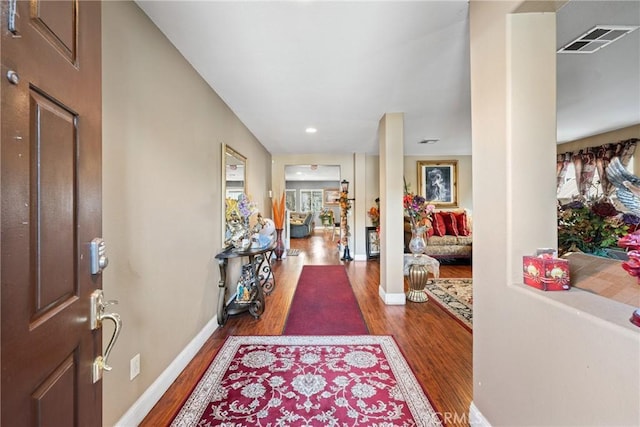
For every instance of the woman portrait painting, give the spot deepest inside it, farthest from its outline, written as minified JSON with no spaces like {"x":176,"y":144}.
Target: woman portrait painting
{"x":436,"y":187}
{"x":437,"y":182}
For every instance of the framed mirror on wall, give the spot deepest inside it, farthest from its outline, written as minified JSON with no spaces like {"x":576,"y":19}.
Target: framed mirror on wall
{"x":234,"y":166}
{"x":234,"y":180}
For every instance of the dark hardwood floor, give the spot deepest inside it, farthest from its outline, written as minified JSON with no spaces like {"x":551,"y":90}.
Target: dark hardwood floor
{"x":436,"y":346}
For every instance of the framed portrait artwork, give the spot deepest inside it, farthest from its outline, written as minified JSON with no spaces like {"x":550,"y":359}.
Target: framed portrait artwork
{"x":331,"y":196}
{"x":373,"y":243}
{"x":438,"y":182}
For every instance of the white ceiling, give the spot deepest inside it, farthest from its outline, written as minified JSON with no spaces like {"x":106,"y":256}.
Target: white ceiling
{"x":339,"y":66}
{"x":598,"y":92}
{"x":312,"y":173}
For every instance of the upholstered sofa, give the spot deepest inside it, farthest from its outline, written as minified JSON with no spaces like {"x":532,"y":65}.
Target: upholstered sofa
{"x":444,"y":240}
{"x":300,"y":224}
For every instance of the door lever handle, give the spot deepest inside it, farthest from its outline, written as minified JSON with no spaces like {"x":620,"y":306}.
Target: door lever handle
{"x":100,"y":363}
{"x":98,"y":306}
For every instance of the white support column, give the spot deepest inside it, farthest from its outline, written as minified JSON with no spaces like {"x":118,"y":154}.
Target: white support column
{"x":359,"y":207}
{"x":391,"y":138}
{"x":531,"y":137}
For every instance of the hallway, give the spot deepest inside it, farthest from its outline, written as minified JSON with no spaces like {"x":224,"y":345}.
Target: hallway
{"x":436,"y":346}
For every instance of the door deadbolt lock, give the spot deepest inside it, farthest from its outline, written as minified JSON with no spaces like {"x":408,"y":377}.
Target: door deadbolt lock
{"x":99,"y":260}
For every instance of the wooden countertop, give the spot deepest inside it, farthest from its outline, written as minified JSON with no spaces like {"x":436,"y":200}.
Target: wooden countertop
{"x":603,"y":276}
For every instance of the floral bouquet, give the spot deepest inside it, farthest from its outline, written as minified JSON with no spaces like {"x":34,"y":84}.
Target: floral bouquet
{"x":592,"y":226}
{"x":240,"y":208}
{"x":418,"y":210}
{"x":632,"y":265}
{"x":237,"y":214}
{"x":374,"y":213}
{"x":631,"y":242}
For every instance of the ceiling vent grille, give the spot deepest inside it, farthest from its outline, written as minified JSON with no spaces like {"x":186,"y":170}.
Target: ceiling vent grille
{"x":596,"y":38}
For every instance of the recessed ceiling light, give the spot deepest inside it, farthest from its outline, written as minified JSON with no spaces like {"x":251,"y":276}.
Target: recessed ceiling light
{"x":429,"y":141}
{"x":311,"y":130}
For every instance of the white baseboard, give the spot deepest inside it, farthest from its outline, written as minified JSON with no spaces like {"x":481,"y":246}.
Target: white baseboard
{"x":476,"y":419}
{"x":392,"y":299}
{"x":136,"y":413}
{"x":360,"y":257}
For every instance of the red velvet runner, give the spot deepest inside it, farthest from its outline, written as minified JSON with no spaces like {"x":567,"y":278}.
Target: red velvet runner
{"x":324,"y":304}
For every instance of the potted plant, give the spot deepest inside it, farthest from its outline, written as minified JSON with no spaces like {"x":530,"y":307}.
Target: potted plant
{"x":592,"y":227}
{"x":326,"y":217}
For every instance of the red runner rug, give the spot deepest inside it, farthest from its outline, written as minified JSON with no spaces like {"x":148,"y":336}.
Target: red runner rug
{"x":308,"y":381}
{"x":324,"y":304}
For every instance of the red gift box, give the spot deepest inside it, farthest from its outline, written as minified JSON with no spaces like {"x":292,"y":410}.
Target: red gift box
{"x":546,"y":273}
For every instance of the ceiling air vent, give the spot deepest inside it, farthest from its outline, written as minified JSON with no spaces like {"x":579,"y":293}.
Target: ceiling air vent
{"x":596,"y":38}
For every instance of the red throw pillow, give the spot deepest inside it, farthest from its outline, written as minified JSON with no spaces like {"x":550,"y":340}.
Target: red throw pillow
{"x":439,"y":228}
{"x":429,"y":224}
{"x":461,"y":222}
{"x":450,"y":224}
{"x":430,"y":229}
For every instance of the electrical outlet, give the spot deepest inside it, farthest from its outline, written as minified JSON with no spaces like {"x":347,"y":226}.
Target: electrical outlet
{"x":134,"y":367}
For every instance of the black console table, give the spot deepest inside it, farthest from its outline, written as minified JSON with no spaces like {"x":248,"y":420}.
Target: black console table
{"x":257,"y":277}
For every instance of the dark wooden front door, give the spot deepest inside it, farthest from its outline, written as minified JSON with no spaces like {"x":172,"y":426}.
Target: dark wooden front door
{"x":50,"y":211}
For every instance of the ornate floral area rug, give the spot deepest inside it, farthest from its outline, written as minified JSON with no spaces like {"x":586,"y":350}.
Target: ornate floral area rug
{"x":308,"y":381}
{"x":455,"y":296}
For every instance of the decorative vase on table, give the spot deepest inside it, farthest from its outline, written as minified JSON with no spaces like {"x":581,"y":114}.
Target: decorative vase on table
{"x":279,"y":250}
{"x":420,"y":212}
{"x":418,"y":244}
{"x":418,"y":272}
{"x":278,"y":221}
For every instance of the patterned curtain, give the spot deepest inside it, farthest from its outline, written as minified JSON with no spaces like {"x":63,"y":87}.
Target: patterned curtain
{"x":561,"y":168}
{"x":588,"y":160}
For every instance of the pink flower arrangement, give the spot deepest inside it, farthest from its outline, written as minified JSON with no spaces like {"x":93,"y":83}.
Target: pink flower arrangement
{"x":417,"y":209}
{"x":631,"y":242}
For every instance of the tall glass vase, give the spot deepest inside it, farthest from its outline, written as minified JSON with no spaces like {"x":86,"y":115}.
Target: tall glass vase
{"x":418,"y":244}
{"x":279,"y":250}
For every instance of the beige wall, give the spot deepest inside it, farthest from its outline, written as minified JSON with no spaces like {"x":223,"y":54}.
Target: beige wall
{"x":162,"y":134}
{"x":544,"y":359}
{"x":372,"y":165}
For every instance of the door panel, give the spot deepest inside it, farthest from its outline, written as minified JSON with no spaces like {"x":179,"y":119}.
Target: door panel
{"x":54,"y":398}
{"x":50,"y":201}
{"x":53,"y":165}
{"x":58,"y":23}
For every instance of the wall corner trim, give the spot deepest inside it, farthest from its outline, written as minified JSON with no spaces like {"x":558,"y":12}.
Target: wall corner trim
{"x":136,"y":413}
{"x":476,"y":419}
